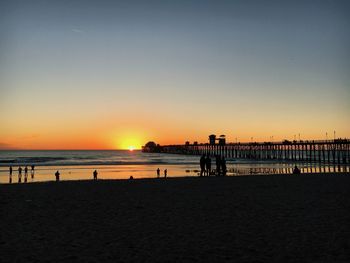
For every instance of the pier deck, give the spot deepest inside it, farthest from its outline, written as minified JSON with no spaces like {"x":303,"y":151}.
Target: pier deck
{"x":323,"y":151}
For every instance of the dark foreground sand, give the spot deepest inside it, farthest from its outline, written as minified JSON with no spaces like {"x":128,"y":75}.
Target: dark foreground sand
{"x":242,"y":219}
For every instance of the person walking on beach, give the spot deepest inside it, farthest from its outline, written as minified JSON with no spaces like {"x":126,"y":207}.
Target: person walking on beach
{"x":95,"y":175}
{"x":25,"y":173}
{"x":165,"y":173}
{"x":208,"y":165}
{"x":158,"y":172}
{"x":32,"y":171}
{"x":20,"y":174}
{"x":10,"y":177}
{"x":57,"y":175}
{"x":202,"y":165}
{"x":218,"y":165}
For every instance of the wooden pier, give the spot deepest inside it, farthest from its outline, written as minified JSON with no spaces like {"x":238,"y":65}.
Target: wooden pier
{"x":323,"y":151}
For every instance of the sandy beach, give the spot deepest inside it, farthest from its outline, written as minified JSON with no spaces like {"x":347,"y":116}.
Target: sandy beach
{"x":233,"y":219}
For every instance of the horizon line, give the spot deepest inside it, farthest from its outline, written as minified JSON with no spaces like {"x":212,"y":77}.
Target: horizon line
{"x":26,"y":149}
{"x":138,"y":149}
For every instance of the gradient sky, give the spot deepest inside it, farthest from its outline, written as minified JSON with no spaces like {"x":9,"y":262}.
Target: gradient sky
{"x":111,"y":74}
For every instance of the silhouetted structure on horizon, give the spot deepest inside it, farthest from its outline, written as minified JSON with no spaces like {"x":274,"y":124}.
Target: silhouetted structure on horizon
{"x":151,"y":147}
{"x":323,"y":151}
{"x":221,"y":140}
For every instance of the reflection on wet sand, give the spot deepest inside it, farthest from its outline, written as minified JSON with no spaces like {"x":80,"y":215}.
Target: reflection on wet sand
{"x":306,"y":169}
{"x":150,"y":171}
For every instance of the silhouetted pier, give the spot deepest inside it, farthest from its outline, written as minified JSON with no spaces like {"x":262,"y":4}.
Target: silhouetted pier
{"x":323,"y":151}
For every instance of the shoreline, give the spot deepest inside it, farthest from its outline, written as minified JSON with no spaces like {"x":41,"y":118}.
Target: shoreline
{"x":176,"y":178}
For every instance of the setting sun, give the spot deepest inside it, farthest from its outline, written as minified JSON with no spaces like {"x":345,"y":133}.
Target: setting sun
{"x":131,"y":148}
{"x":128,"y":140}
{"x":129,"y":144}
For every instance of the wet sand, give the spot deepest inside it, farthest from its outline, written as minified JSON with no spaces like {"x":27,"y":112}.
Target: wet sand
{"x":243,"y":219}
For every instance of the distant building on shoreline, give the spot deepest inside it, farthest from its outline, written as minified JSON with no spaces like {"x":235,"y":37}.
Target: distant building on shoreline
{"x":151,"y":147}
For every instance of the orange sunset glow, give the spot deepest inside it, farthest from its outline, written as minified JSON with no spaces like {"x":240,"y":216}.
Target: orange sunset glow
{"x":87,"y":82}
{"x":69,"y":133}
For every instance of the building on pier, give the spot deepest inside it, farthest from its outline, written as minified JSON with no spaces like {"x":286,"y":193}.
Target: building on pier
{"x":221,"y":140}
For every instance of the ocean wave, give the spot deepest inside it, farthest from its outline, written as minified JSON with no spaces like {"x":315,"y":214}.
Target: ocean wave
{"x":73,"y":163}
{"x":7,"y":161}
{"x":80,"y":158}
{"x":32,"y":160}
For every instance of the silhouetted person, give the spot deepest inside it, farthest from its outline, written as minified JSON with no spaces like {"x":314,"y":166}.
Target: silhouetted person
{"x":208,"y":164}
{"x":19,"y":174}
{"x":296,"y":170}
{"x":32,"y":171}
{"x":25,"y":174}
{"x":95,"y":175}
{"x":202,"y":165}
{"x":165,"y":173}
{"x":57,"y":175}
{"x":10,"y":177}
{"x":223,"y":166}
{"x":218,"y":165}
{"x":158,"y":172}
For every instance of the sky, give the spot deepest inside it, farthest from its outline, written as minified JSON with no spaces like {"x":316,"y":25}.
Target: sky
{"x":116,"y":74}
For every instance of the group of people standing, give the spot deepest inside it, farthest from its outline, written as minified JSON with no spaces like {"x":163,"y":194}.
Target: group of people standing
{"x":205,"y":165}
{"x":20,"y":173}
{"x":165,"y":173}
{"x":32,"y":172}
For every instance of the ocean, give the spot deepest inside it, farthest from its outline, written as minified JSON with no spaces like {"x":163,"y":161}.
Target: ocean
{"x":121,"y":164}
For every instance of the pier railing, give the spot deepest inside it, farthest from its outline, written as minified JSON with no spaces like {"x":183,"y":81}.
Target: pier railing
{"x":325,"y":151}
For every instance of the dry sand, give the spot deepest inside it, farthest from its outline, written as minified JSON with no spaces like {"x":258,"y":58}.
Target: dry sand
{"x":242,"y":219}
